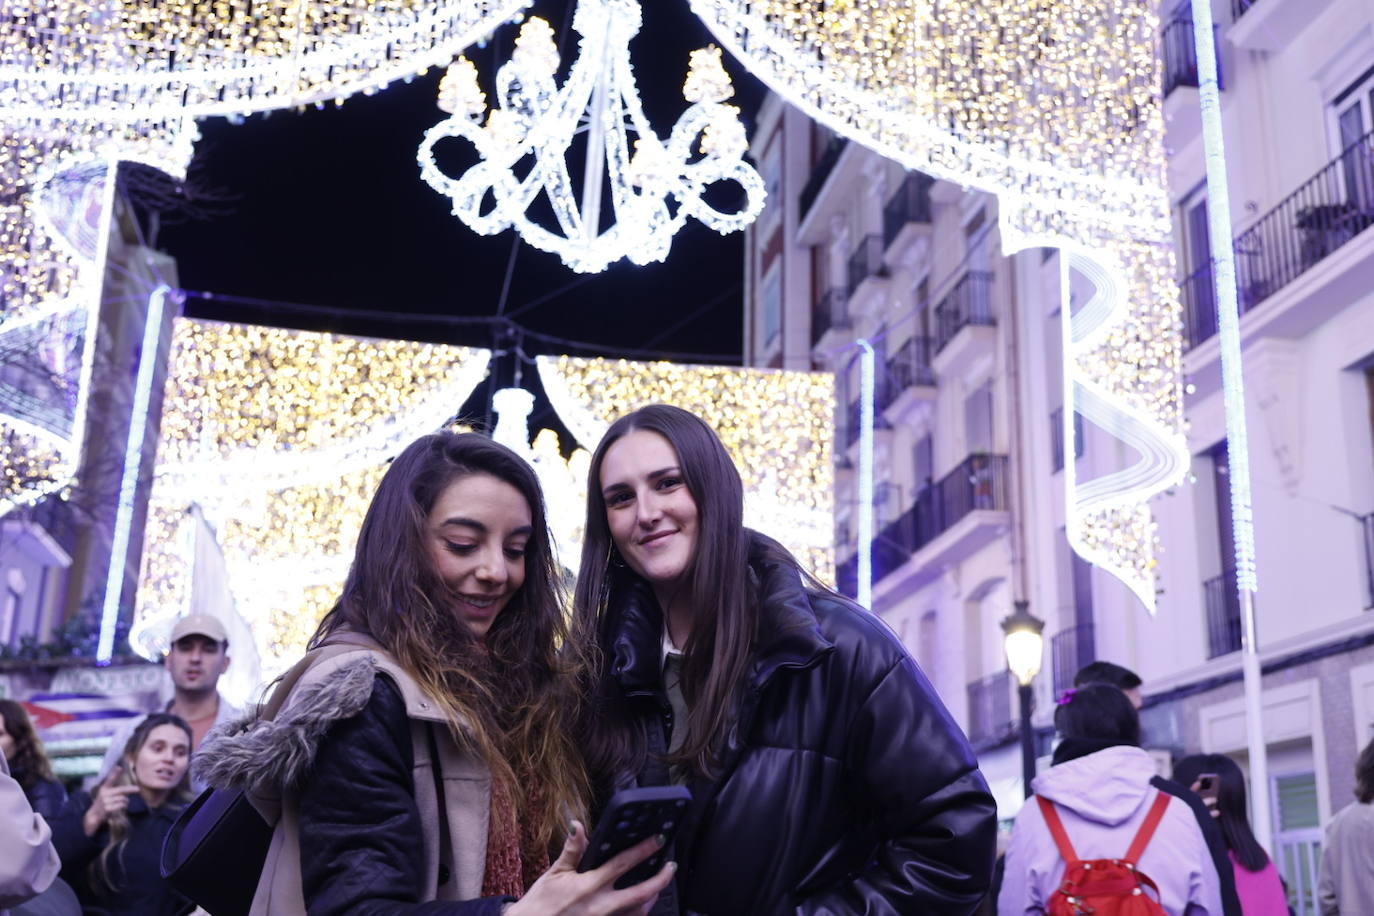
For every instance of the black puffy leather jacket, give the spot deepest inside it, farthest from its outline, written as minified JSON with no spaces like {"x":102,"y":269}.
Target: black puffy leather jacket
{"x":845,"y":788}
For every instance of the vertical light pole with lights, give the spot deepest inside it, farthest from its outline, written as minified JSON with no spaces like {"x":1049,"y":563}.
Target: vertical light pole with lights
{"x":1024,"y":646}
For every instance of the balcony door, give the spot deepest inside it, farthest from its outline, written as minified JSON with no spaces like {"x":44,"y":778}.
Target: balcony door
{"x":1354,"y":122}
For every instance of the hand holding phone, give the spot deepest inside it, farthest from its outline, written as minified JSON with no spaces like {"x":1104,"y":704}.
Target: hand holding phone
{"x":634,"y":815}
{"x":1206,"y":788}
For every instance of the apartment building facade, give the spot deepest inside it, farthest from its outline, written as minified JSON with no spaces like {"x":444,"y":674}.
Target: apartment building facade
{"x":969,"y":489}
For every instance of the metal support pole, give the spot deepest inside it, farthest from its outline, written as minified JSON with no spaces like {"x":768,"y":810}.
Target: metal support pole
{"x":1023,"y":691}
{"x":867,"y":374}
{"x":1233,"y":394}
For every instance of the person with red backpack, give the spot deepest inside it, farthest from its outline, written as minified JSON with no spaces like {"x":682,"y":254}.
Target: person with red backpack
{"x":1097,"y":837}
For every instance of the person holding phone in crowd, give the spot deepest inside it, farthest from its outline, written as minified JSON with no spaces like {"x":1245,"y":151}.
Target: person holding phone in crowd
{"x":110,"y":841}
{"x":1220,"y":784}
{"x":826,"y":775}
{"x":448,"y":645}
{"x":28,"y":761}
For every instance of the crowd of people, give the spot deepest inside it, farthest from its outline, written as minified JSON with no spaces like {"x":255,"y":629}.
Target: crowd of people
{"x":452,"y":731}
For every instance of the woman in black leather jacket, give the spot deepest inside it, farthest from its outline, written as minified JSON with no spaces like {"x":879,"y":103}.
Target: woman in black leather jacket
{"x":826,"y":775}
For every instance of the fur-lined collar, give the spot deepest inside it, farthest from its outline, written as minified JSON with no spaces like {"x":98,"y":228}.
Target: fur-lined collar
{"x":269,"y":756}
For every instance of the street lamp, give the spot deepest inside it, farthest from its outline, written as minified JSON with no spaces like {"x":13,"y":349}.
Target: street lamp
{"x":1024,"y":646}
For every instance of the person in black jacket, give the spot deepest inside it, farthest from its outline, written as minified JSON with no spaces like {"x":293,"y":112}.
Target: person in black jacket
{"x":110,"y":843}
{"x":28,"y":762}
{"x":826,"y":775}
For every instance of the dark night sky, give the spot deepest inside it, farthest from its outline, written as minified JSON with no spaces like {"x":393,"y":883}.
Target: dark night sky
{"x":329,"y":210}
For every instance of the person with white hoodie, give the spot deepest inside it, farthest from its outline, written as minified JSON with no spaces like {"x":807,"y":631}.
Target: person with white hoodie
{"x":1100,"y":787}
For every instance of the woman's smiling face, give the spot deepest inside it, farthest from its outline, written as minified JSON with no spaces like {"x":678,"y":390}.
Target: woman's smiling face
{"x":651,"y":514}
{"x":476,"y":535}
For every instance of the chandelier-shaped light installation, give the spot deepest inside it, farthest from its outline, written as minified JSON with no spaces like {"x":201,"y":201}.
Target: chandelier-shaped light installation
{"x":1054,"y":106}
{"x":524,"y":143}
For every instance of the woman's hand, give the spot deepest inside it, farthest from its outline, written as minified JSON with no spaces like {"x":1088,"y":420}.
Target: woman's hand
{"x":109,"y":799}
{"x":563,"y":891}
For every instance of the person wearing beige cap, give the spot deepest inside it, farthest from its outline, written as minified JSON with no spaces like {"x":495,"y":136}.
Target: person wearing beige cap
{"x":198,"y":655}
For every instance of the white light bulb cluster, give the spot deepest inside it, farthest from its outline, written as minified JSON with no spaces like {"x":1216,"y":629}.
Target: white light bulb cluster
{"x":654,"y":185}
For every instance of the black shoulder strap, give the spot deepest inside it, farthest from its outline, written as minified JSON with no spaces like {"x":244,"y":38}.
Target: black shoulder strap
{"x":445,"y":872}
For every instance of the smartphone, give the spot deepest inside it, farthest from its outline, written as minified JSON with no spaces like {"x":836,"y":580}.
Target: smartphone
{"x":1207,"y":786}
{"x":634,"y":815}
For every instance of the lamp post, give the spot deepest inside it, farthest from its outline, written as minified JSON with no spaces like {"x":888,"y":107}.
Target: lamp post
{"x":1024,"y":646}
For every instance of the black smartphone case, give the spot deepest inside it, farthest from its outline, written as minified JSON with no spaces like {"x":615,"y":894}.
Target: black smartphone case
{"x":634,"y":815}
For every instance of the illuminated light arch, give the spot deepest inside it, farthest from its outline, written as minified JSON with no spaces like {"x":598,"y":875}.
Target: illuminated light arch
{"x":85,"y":84}
{"x":1055,"y":107}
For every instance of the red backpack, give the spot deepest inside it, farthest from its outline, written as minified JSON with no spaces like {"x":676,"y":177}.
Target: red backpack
{"x":1104,"y":887}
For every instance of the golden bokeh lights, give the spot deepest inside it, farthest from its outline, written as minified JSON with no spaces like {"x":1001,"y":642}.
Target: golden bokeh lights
{"x":280,"y":437}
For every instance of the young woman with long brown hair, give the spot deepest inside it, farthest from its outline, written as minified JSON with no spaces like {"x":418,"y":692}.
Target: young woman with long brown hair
{"x":827,"y":777}
{"x":110,"y":841}
{"x":447,"y":644}
{"x":28,"y":761}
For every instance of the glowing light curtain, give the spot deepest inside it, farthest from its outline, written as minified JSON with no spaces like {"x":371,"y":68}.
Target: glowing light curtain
{"x":277,"y":439}
{"x":1053,"y":105}
{"x":776,"y":424}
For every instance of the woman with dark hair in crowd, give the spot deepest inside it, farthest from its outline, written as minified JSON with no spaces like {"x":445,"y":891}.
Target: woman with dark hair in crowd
{"x":29,"y":764}
{"x":1257,"y":880}
{"x":111,"y":842}
{"x":826,"y":775}
{"x":1099,"y":789}
{"x":444,"y":647}
{"x":1346,"y":885}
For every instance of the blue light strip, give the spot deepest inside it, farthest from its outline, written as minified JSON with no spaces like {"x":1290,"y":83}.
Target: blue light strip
{"x":867,"y":359}
{"x":1228,"y":312}
{"x":133,"y":461}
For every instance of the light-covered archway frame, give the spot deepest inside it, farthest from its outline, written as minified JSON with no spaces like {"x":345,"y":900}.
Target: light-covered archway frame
{"x":1054,"y":105}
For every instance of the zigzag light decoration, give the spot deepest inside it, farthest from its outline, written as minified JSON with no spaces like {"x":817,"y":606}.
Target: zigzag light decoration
{"x":1053,"y":105}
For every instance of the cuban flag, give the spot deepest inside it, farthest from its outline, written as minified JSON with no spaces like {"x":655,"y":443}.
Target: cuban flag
{"x":62,"y":717}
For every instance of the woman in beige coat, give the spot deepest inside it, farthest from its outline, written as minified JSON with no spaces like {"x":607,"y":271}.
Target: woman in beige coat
{"x":449,"y":644}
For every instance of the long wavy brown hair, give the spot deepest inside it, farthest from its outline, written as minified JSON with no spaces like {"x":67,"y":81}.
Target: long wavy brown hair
{"x":30,"y":763}
{"x":726,"y":613}
{"x":102,"y":879}
{"x":512,"y":698}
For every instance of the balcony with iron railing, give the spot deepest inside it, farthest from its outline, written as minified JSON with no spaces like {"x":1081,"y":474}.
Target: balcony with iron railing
{"x":908,"y":368}
{"x":979,"y":482}
{"x":830,"y":312}
{"x":1071,"y":649}
{"x":910,"y":205}
{"x":1180,"y":54}
{"x":989,"y":709}
{"x":1325,"y":213}
{"x":1222,"y":602}
{"x":865,"y":262}
{"x":820,"y":173}
{"x":968,"y":303}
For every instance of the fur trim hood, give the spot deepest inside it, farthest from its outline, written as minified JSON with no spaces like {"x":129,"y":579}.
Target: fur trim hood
{"x":271,"y":756}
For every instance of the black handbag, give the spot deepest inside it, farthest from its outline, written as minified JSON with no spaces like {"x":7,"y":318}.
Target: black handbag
{"x":214,"y":852}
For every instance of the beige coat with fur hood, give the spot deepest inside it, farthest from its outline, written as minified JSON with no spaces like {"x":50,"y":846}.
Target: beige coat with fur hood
{"x":268,"y":758}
